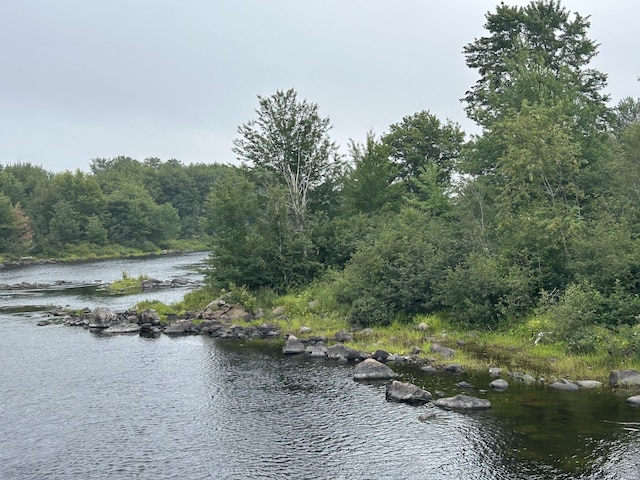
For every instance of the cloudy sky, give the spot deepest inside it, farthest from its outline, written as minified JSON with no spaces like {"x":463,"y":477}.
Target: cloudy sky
{"x":81,"y":79}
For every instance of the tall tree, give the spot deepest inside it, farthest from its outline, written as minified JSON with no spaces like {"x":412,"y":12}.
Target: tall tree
{"x":543,"y":37}
{"x":290,"y":137}
{"x":420,"y":140}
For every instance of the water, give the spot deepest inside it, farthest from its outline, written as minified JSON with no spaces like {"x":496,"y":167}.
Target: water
{"x":76,"y":405}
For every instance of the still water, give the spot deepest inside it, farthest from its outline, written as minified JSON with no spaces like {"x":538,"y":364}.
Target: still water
{"x":76,"y":405}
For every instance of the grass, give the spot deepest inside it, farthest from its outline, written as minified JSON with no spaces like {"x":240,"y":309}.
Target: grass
{"x":127,"y":285}
{"x":512,"y":348}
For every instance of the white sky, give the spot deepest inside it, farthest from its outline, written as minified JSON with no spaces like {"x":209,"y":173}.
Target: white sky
{"x":81,"y":79}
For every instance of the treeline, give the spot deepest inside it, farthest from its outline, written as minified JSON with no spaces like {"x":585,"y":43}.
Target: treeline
{"x":122,"y":203}
{"x":538,"y":215}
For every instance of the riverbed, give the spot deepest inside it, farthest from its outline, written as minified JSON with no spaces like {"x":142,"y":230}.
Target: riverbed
{"x":77,"y":405}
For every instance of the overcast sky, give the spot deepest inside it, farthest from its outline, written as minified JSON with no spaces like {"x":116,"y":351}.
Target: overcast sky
{"x":81,"y":79}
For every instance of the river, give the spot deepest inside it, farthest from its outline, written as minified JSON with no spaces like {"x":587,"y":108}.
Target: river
{"x":77,"y":405}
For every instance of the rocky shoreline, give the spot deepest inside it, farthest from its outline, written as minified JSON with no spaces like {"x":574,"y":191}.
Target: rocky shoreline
{"x":220,"y":320}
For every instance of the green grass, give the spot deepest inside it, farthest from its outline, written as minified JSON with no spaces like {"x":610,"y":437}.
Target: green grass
{"x":511,"y":348}
{"x":128,"y":285}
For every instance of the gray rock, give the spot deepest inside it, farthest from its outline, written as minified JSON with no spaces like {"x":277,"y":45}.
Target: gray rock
{"x":380,"y":355}
{"x":429,"y":369}
{"x":444,"y":351}
{"x":371,"y":369}
{"x":495,"y":371}
{"x":407,"y":393}
{"x":499,"y":384}
{"x":343,"y":336}
{"x":102,"y":317}
{"x":278,"y":311}
{"x":149,"y":316}
{"x":634,"y":401}
{"x":293,"y":345}
{"x":304,"y":329}
{"x":463,"y":402}
{"x":425,"y":417}
{"x":465,"y":385}
{"x":182,"y":327}
{"x":122,"y":328}
{"x":565,"y":385}
{"x":624,"y":379}
{"x":317,"y":351}
{"x":589,"y":384}
{"x":453,"y":368}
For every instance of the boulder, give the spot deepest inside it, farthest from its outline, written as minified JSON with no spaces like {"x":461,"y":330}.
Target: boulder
{"x":407,"y":393}
{"x":343,"y":336}
{"x":453,"y":368}
{"x":495,"y":372}
{"x":499,"y":384}
{"x":371,"y":369}
{"x":339,"y":352}
{"x":182,"y":327}
{"x":293,"y":345}
{"x":444,"y":351}
{"x":122,"y":328}
{"x":463,"y":402}
{"x":380,"y":355}
{"x":464,"y":385}
{"x":318,"y":350}
{"x":102,"y":317}
{"x":589,"y":384}
{"x":565,"y":385}
{"x":149,"y":316}
{"x":624,"y":379}
{"x":634,"y":401}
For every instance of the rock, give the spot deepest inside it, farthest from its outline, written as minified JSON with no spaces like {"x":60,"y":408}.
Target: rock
{"x":293,"y":345}
{"x":278,"y":312}
{"x":339,"y":352}
{"x":102,"y":317}
{"x":423,"y":327}
{"x":624,"y":379}
{"x":465,"y":385}
{"x":634,"y":401}
{"x":149,"y":316}
{"x":371,"y":369}
{"x":565,"y":385}
{"x":407,"y":393}
{"x":428,"y":369}
{"x":343,"y":336}
{"x":425,"y":417}
{"x":453,"y":368}
{"x":304,"y":330}
{"x":589,"y":384}
{"x":237,"y":312}
{"x":380,"y":355}
{"x":182,"y":327}
{"x":119,"y":328}
{"x":43,"y":323}
{"x":318,"y":351}
{"x":444,"y":351}
{"x":499,"y":384}
{"x":463,"y":402}
{"x":495,"y":371}
{"x":366,"y":332}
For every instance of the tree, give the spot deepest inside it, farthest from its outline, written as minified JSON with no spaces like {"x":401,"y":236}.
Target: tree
{"x":420,"y":140}
{"x":290,"y":138}
{"x":626,"y":112}
{"x":370,"y":181}
{"x":542,"y":38}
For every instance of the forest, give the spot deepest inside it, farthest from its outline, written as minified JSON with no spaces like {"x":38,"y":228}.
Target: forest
{"x":536,"y":215}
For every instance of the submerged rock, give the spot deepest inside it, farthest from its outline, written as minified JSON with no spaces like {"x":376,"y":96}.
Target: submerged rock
{"x":634,"y":401}
{"x":371,"y":369}
{"x":122,"y":328}
{"x":407,"y":393}
{"x":463,"y":402}
{"x":565,"y":385}
{"x":589,"y":384}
